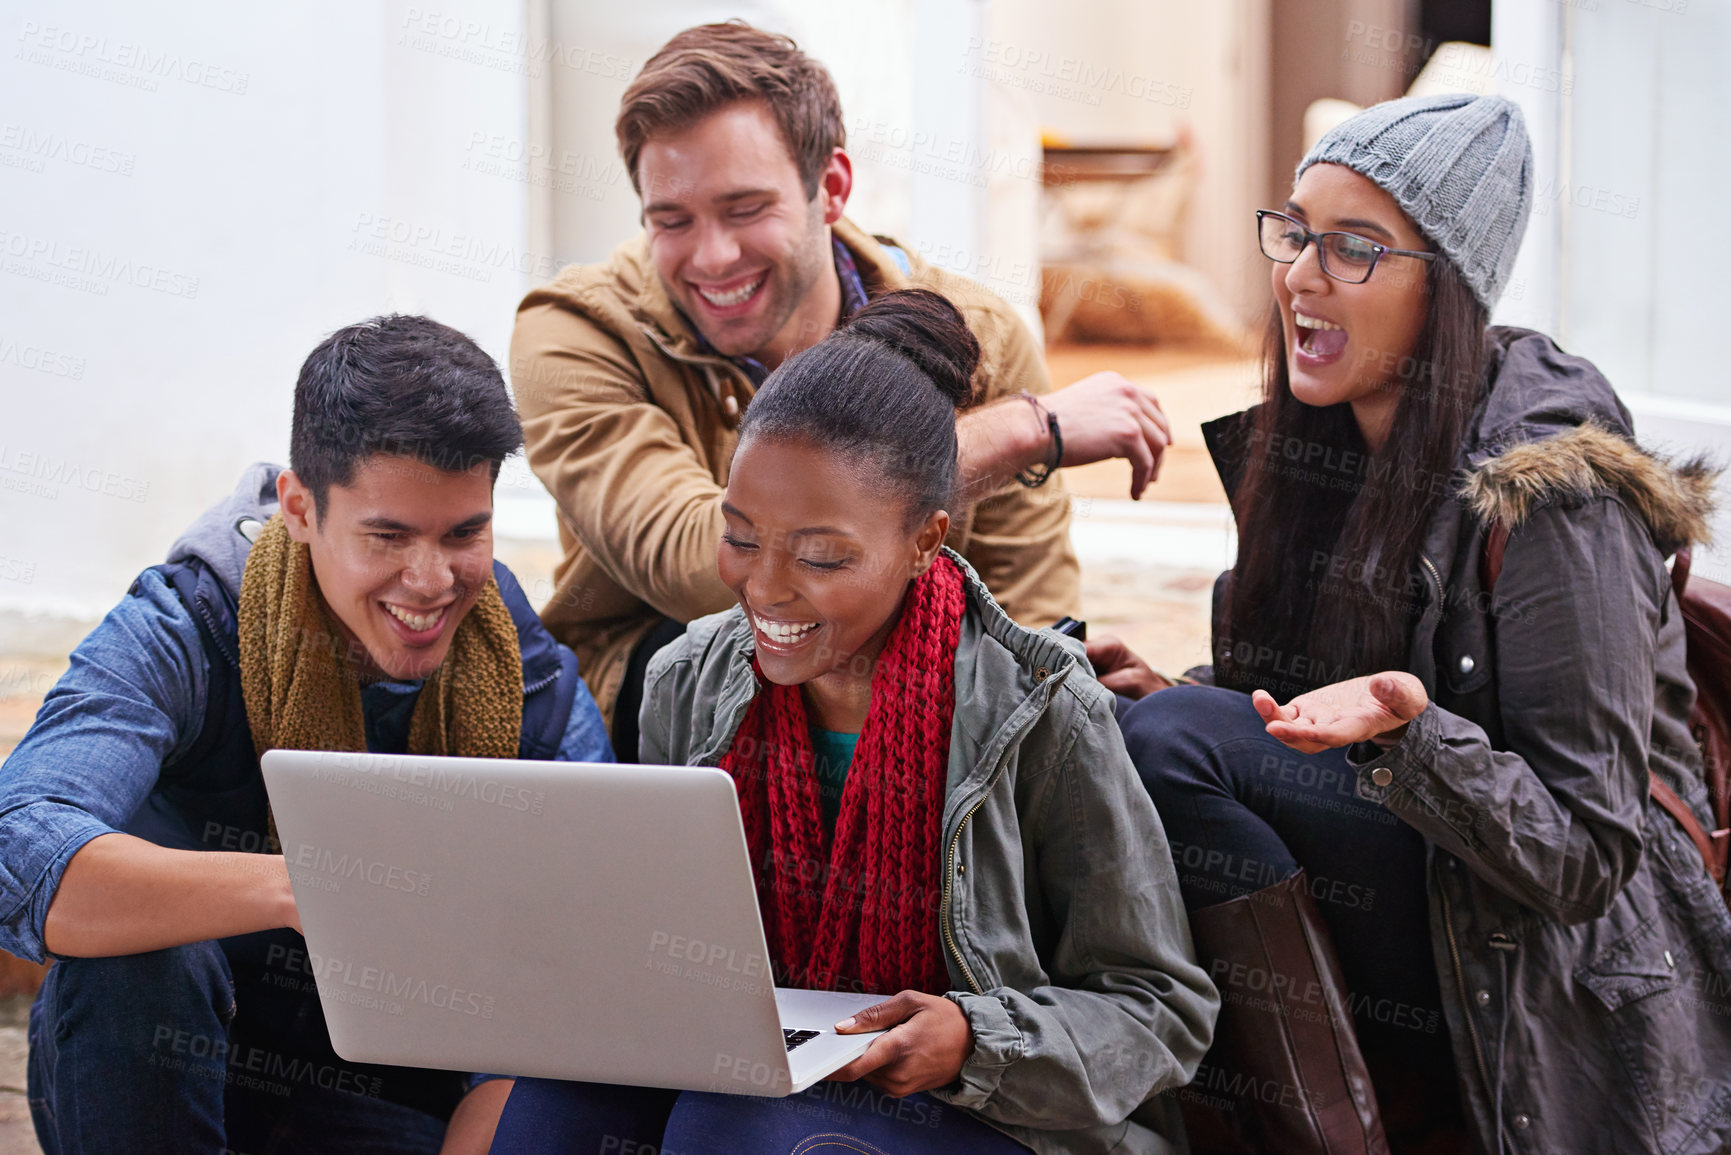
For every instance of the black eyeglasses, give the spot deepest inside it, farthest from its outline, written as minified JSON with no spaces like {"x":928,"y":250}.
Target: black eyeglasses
{"x":1343,"y":256}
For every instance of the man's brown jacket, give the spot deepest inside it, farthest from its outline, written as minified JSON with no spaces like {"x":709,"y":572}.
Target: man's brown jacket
{"x":632,"y":428}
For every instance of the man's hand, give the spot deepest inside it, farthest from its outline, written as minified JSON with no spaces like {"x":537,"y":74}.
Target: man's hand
{"x":1099,"y":417}
{"x":926,"y":1040}
{"x":1121,"y":671}
{"x":1370,"y":709}
{"x":1106,"y":415}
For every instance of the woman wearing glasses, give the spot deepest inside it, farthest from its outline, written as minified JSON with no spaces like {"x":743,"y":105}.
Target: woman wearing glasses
{"x":1410,"y":817}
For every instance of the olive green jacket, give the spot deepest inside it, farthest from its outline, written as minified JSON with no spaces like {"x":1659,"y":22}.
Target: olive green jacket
{"x":1066,"y":940}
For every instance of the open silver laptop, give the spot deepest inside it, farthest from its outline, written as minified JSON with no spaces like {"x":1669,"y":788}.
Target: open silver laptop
{"x":560,"y":919}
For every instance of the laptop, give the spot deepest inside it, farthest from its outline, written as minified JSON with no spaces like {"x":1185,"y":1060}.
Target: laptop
{"x":567,"y":920}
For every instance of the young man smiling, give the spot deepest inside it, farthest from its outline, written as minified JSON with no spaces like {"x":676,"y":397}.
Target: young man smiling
{"x":349,"y":602}
{"x":632,"y":375}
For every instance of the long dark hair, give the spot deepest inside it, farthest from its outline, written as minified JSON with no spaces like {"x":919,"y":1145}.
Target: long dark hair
{"x":1329,"y":533}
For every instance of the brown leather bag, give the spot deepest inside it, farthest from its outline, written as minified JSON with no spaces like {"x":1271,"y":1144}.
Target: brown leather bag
{"x":1707,"y":633}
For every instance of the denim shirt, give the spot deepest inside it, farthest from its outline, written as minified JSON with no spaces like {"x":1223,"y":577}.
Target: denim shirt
{"x":133,"y":701}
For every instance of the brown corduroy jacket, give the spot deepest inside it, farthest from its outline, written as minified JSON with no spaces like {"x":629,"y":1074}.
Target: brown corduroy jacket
{"x":632,"y":428}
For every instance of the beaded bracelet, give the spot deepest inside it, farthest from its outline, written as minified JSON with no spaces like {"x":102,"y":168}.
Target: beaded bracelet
{"x":1042,"y":473}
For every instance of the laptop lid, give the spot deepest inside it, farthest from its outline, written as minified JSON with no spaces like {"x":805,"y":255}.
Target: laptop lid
{"x":566,"y":920}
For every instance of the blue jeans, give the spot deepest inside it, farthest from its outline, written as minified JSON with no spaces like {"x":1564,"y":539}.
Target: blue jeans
{"x":1243,"y":811}
{"x":165,"y":1051}
{"x":545,"y":1115}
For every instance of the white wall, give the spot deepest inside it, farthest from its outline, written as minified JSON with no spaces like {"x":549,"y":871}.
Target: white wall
{"x":1629,"y":106}
{"x":194,"y":196}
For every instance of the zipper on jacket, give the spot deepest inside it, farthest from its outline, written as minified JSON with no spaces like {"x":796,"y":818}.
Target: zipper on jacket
{"x":944,"y":903}
{"x":1436,"y":577}
{"x":944,"y":919}
{"x":541,"y":683}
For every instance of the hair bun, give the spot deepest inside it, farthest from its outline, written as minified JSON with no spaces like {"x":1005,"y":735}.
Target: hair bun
{"x":929,"y":331}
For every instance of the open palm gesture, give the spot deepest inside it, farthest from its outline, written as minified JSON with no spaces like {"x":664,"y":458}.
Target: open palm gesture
{"x":1373,"y":708}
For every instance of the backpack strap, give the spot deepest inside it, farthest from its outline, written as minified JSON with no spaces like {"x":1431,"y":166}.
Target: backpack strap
{"x":1491,"y":562}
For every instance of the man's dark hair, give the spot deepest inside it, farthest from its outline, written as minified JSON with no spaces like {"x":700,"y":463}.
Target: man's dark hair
{"x":707,"y":68}
{"x":404,"y":386}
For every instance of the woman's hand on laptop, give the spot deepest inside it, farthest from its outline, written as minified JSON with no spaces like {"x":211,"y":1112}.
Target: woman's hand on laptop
{"x":926,"y":1040}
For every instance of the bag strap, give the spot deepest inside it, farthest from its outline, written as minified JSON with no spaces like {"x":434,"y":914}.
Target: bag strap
{"x":1491,"y":561}
{"x":1715,"y":847}
{"x":1712,"y":846}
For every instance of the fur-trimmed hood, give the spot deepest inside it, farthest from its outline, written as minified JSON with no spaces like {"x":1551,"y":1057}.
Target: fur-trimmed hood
{"x":1675,"y":499}
{"x":1554,"y":430}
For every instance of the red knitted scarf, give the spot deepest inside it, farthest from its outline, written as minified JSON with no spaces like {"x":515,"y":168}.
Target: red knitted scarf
{"x":858,"y":915}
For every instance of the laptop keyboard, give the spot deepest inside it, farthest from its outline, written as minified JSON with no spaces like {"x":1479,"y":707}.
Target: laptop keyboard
{"x":798,"y":1038}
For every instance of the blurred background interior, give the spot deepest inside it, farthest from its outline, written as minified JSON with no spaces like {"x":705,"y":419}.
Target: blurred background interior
{"x":195,"y":194}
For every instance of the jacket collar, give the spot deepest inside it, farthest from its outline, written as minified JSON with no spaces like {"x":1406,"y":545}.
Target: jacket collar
{"x":993,"y":653}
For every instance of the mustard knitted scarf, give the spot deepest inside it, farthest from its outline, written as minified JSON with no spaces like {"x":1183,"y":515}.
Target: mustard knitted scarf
{"x":301,"y":674}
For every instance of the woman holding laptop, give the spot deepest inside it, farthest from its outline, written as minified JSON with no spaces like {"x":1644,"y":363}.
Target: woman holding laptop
{"x":938,"y":804}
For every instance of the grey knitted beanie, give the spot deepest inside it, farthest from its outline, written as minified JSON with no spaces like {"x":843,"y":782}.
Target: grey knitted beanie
{"x":1459,"y":165}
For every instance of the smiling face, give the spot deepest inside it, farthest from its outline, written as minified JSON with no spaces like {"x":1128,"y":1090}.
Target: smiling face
{"x":740,"y":248}
{"x":820,"y":559}
{"x":400,"y":555}
{"x":1347,"y":342}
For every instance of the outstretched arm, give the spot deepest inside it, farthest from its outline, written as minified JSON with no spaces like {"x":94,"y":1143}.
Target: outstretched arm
{"x":123,"y":895}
